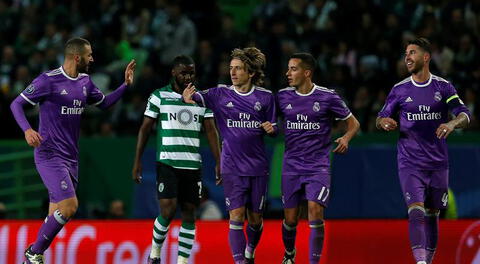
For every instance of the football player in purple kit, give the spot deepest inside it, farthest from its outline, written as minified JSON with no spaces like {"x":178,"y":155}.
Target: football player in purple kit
{"x":244,"y":113}
{"x":422,"y":102}
{"x":308,"y":111}
{"x":62,"y":95}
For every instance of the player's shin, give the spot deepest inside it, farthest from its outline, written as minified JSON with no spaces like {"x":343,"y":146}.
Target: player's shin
{"x":431,"y":234}
{"x":160,"y":230}
{"x":50,"y":228}
{"x":317,"y":231}
{"x":416,"y":229}
{"x":236,"y":239}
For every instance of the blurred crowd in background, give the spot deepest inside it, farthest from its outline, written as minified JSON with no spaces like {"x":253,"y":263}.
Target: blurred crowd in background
{"x":359,"y":46}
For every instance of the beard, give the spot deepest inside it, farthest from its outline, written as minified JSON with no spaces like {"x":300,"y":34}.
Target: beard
{"x":418,"y":67}
{"x":82,"y":66}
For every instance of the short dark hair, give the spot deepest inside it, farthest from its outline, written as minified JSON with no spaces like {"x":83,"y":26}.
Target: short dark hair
{"x":76,"y":46}
{"x":308,"y":62}
{"x":423,"y":43}
{"x":182,"y":59}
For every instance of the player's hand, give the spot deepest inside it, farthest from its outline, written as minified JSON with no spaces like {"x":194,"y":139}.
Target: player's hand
{"x":188,"y":93}
{"x":342,"y":146}
{"x":218,"y":176}
{"x":33,"y":138}
{"x":137,"y":172}
{"x":444,"y":130}
{"x":268,"y":127}
{"x":129,"y":72}
{"x":388,"y":124}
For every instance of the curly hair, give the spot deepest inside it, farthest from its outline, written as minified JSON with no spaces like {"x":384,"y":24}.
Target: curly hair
{"x":254,"y":61}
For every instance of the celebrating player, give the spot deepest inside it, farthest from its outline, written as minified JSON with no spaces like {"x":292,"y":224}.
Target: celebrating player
{"x":308,"y":110}
{"x":422,"y":102}
{"x":244,"y":113}
{"x":62,"y":95}
{"x":178,"y":160}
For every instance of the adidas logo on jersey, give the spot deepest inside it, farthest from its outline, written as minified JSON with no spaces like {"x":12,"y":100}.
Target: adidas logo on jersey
{"x":230,"y":104}
{"x":64,"y":92}
{"x":408,"y":100}
{"x":289,"y":106}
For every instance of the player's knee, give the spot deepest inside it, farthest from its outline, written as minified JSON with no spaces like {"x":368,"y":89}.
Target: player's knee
{"x":188,"y":216}
{"x":416,"y":213}
{"x":432,"y":212}
{"x":237,"y":215}
{"x":292,"y":222}
{"x":315,"y":212}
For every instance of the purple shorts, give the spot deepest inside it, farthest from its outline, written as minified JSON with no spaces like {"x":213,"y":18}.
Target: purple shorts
{"x":60,"y":177}
{"x":425,"y":186}
{"x":315,"y":188}
{"x":248,"y":191}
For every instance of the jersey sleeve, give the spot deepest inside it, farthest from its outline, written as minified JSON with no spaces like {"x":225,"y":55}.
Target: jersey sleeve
{"x":95,"y":96}
{"x":339,"y":108}
{"x":206,"y":98}
{"x":271,"y":111}
{"x":153,"y":106}
{"x":37,"y":90}
{"x":208,"y":113}
{"x":455,"y":104}
{"x":391,"y":105}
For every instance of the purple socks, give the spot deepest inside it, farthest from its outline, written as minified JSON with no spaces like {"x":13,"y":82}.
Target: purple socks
{"x":431,"y":235}
{"x":236,"y":239}
{"x":416,"y":229}
{"x":53,"y":224}
{"x":253,"y":237}
{"x":317,"y":230}
{"x":289,"y":234}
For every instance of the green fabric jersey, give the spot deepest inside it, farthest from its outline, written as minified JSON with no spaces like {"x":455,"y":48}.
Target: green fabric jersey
{"x":178,"y":128}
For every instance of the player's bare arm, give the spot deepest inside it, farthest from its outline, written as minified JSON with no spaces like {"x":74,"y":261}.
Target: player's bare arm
{"x":129,"y":72}
{"x":188,"y":93}
{"x":352,"y":128}
{"x":444,"y":130}
{"x":386,"y":123}
{"x":213,"y":141}
{"x":33,"y":138}
{"x":142,"y":140}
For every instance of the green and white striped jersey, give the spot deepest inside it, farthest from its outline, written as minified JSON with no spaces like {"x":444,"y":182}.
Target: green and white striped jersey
{"x":178,"y":128}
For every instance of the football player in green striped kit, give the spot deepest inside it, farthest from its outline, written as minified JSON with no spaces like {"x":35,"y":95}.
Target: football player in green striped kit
{"x":178,"y":159}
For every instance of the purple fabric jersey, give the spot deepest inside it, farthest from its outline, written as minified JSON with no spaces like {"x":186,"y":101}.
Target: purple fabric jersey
{"x":62,"y":100}
{"x":238,"y":116}
{"x":422,"y":108}
{"x":307,"y":125}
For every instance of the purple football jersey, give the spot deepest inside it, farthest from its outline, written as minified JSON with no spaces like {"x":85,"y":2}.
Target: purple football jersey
{"x":421,"y":109}
{"x":62,"y":100}
{"x":239,"y":116}
{"x":307,"y":124}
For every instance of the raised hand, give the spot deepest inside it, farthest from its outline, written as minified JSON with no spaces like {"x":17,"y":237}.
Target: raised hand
{"x":188,"y":93}
{"x":33,"y":138}
{"x":129,"y":72}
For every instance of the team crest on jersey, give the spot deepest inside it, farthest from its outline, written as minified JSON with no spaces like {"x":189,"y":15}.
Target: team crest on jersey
{"x":63,"y":185}
{"x":161,"y":187}
{"x":84,"y":90}
{"x":316,"y":106}
{"x":185,"y":117}
{"x":437,"y":96}
{"x":30,"y":89}
{"x":257,"y":106}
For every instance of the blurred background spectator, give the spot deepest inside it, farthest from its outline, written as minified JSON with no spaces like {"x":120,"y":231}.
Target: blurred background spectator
{"x":359,"y":46}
